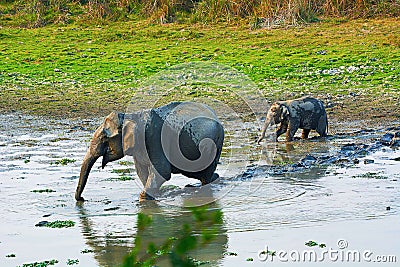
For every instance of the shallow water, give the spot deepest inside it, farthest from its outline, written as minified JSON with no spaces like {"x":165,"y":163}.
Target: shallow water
{"x":260,"y":206}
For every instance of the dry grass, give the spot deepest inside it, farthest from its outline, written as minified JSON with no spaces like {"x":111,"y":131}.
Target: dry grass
{"x":263,"y":13}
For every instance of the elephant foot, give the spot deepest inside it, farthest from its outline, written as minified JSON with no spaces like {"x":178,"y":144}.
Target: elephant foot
{"x":213,"y":178}
{"x":146,"y":196}
{"x":79,"y":199}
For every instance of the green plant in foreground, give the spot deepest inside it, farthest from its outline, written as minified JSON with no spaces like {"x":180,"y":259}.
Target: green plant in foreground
{"x":40,"y":264}
{"x":175,"y":249}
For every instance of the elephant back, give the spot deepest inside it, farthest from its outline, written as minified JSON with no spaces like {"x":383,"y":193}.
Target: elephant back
{"x":189,"y":122}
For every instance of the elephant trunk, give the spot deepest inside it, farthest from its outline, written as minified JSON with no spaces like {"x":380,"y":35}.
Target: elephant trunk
{"x":96,"y":150}
{"x":87,"y":165}
{"x":268,"y":122}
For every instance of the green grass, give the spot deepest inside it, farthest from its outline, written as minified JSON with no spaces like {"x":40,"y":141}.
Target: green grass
{"x":81,"y":71}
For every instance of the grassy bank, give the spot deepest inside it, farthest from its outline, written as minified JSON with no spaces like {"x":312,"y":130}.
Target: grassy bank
{"x":73,"y":70}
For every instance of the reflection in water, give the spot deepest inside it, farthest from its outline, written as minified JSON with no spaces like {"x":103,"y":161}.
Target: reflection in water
{"x":166,"y":222}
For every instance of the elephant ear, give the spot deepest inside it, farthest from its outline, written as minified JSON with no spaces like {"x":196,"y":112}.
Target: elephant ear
{"x":284,"y":112}
{"x":111,"y":125}
{"x":128,"y":137}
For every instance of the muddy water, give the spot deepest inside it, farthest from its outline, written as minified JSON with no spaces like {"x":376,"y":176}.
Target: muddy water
{"x":263,"y":201}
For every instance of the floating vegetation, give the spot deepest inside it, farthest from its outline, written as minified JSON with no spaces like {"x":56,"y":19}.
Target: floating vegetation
{"x":170,"y":187}
{"x":27,"y":161}
{"x":126,"y":163}
{"x":11,"y":256}
{"x":56,"y":224}
{"x":370,"y":175}
{"x":40,"y":264}
{"x":249,"y":259}
{"x":72,"y":262}
{"x":86,"y":250}
{"x":43,"y":191}
{"x":197,"y":262}
{"x":64,"y":161}
{"x":121,"y":171}
{"x":230,"y":254}
{"x":111,"y":209}
{"x":125,"y":178}
{"x":268,"y":252}
{"x":312,"y":243}
{"x":59,"y":139}
{"x":121,"y":178}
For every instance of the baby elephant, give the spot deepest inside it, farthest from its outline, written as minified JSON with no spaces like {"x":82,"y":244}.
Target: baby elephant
{"x":306,"y":113}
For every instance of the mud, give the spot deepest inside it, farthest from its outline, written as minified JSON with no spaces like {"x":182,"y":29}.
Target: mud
{"x":280,"y":195}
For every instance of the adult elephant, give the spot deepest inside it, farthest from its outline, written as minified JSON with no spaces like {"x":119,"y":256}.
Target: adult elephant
{"x":181,"y":137}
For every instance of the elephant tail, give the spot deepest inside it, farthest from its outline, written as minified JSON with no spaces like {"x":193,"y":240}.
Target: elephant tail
{"x":327,"y":125}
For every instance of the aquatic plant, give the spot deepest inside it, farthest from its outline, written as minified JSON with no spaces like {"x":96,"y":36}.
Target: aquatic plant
{"x":64,"y":161}
{"x":43,"y":190}
{"x":40,"y":264}
{"x":72,"y":262}
{"x":176,"y":248}
{"x":57,"y":224}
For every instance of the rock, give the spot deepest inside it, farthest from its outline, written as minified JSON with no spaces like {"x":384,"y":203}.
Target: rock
{"x":387,"y":138}
{"x":368,"y":161}
{"x":395,"y":142}
{"x":308,"y":160}
{"x":341,"y":160}
{"x":348,"y":147}
{"x":41,"y":224}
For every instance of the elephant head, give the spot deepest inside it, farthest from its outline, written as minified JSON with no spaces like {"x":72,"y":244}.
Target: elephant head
{"x":277,"y":113}
{"x":106,"y":142}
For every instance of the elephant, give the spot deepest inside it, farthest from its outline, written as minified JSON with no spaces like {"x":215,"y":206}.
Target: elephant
{"x":180,"y":137}
{"x":306,"y":113}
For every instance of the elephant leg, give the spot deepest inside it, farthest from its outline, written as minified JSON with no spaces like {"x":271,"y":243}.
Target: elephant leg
{"x":153,"y":184}
{"x":305,"y":133}
{"x":322,"y":126}
{"x":209,"y":175}
{"x":281,"y":129}
{"x":142,"y":171}
{"x":293,"y":126}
